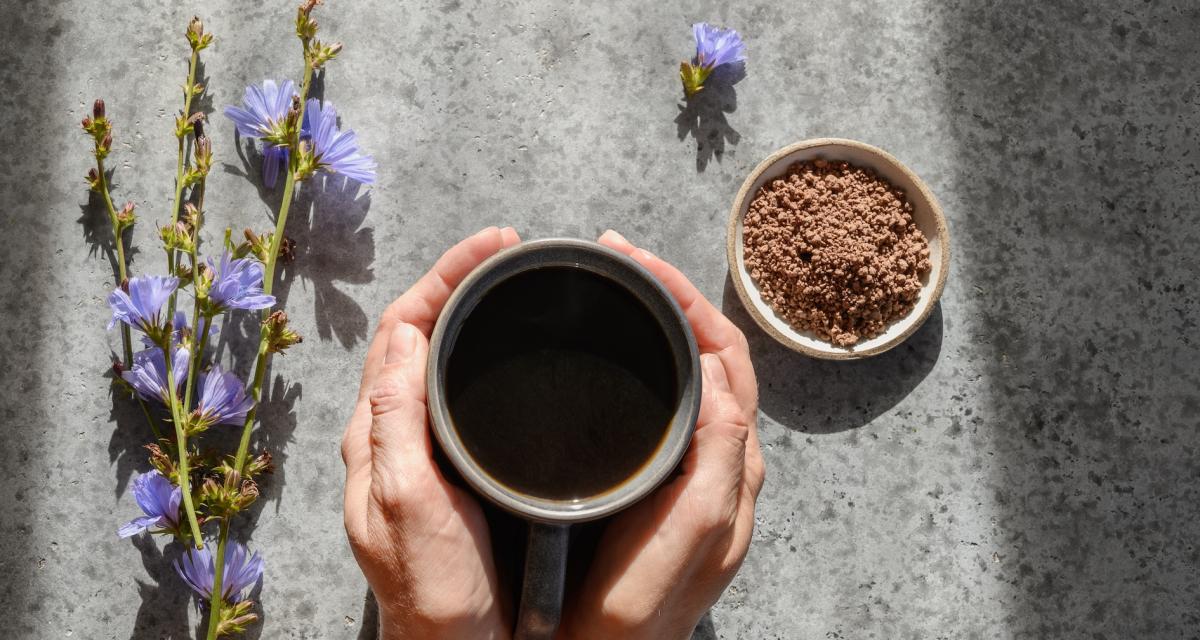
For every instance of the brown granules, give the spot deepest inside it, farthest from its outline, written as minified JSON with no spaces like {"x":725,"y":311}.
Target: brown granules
{"x":834,"y":250}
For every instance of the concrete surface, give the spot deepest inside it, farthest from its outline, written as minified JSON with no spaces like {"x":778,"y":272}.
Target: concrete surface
{"x":1025,"y":467}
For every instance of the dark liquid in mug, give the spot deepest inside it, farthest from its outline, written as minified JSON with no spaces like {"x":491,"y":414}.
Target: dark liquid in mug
{"x":561,"y":383}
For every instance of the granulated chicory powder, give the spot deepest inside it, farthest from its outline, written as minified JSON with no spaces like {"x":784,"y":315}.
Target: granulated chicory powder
{"x":834,"y":250}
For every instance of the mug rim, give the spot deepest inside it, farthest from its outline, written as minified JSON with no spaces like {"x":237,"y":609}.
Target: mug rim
{"x":537,"y":254}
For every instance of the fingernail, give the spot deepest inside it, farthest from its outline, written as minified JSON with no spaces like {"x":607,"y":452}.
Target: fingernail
{"x":644,"y":255}
{"x":613,"y":235}
{"x":714,"y":372}
{"x":401,"y":344}
{"x":487,"y":230}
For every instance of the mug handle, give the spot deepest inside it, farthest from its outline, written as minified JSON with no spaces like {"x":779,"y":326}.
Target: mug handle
{"x":545,"y":573}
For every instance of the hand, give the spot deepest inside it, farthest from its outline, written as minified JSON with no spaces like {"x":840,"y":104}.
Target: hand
{"x":662,"y":563}
{"x":421,"y":542}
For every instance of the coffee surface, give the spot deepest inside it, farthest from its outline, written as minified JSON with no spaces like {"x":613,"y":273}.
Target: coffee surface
{"x":561,"y":384}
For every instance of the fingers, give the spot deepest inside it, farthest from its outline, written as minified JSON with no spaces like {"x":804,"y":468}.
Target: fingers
{"x":423,"y":302}
{"x":714,"y":332}
{"x":399,"y":440}
{"x":717,"y":401}
{"x":421,"y":305}
{"x":718,"y":457}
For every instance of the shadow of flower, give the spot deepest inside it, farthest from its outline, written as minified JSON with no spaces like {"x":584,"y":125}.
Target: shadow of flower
{"x":702,"y":116}
{"x":163,"y":612}
{"x":332,"y":247}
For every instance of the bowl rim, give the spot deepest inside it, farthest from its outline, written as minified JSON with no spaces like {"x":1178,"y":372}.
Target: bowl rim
{"x":741,"y":203}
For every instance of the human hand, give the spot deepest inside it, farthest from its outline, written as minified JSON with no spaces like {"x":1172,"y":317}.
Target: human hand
{"x":421,"y":542}
{"x":662,"y":563}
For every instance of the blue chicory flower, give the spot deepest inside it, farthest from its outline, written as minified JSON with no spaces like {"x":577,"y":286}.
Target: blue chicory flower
{"x":140,"y":306}
{"x":335,"y":151}
{"x":159,"y":500}
{"x":223,"y":398}
{"x":242,"y":571}
{"x":238,"y":284}
{"x":714,"y":47}
{"x":261,"y":118}
{"x":148,"y":375}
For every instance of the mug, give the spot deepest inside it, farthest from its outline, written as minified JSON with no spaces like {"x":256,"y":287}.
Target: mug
{"x":550,"y":518}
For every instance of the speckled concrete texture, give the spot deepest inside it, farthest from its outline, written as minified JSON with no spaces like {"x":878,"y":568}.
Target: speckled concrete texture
{"x":1024,"y":467}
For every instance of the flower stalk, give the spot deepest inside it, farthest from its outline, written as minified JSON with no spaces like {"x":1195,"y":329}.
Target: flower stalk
{"x":262,"y":360}
{"x":100,"y":128}
{"x":295,"y":133}
{"x":177,"y":417}
{"x":183,"y":126}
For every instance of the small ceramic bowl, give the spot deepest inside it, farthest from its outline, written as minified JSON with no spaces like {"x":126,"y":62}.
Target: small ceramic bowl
{"x":926,"y":213}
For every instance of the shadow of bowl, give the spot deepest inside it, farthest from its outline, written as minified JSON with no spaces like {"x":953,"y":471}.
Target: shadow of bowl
{"x":827,"y":396}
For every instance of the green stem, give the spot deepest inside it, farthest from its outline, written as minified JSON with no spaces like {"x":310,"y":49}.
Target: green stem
{"x":263,"y":359}
{"x":119,"y":242}
{"x":194,"y":365}
{"x":201,"y":339}
{"x":122,"y":276}
{"x":215,"y":600}
{"x":150,"y":420}
{"x":261,"y":362}
{"x":181,"y":439}
{"x":180,"y":158}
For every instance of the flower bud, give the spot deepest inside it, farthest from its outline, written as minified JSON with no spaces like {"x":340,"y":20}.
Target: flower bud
{"x":125,"y":216}
{"x":86,"y":124}
{"x":247,"y":495}
{"x":236,"y":617}
{"x":196,"y":36}
{"x":106,"y":143}
{"x":161,"y":461}
{"x":255,"y":245}
{"x":279,"y":335}
{"x":93,"y":180}
{"x":259,"y":464}
{"x":191,"y":215}
{"x":307,"y":6}
{"x":202,"y":151}
{"x":98,"y":109}
{"x":195,"y":28}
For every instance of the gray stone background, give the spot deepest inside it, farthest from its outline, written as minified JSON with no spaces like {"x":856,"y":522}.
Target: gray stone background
{"x":1024,"y":467}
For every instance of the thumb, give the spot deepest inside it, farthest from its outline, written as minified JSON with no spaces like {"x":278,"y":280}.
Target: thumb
{"x":400,"y":442}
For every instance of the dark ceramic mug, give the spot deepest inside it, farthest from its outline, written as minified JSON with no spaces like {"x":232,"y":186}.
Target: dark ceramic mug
{"x":550,"y":519}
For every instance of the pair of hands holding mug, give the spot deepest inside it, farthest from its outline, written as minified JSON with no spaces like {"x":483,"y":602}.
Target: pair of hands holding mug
{"x":424,"y":545}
